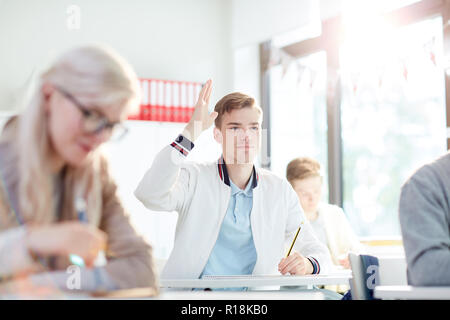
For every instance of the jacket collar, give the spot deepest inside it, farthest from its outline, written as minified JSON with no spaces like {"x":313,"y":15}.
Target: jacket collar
{"x":223,"y":173}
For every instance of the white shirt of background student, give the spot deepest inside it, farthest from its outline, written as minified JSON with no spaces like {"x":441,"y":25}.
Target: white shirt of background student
{"x":329,"y":221}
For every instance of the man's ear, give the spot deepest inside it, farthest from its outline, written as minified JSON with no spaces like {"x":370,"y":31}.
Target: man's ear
{"x":218,"y":135}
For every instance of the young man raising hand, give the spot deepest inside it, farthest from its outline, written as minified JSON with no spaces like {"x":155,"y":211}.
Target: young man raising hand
{"x":234,"y":218}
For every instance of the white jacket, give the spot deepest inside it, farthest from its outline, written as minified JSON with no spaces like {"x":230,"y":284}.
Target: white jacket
{"x":199,"y":194}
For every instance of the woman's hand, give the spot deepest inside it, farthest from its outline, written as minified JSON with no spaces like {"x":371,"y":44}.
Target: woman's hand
{"x":71,"y":237}
{"x":201,"y":119}
{"x":295,"y":264}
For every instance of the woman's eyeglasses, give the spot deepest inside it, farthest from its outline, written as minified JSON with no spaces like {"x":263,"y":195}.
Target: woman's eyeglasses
{"x":94,"y":122}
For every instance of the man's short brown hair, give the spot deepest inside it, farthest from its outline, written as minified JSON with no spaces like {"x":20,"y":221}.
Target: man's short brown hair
{"x":233,"y":101}
{"x":302,"y":168}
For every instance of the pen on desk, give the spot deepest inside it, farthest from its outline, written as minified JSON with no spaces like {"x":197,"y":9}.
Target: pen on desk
{"x":80,"y":207}
{"x":293,"y":241}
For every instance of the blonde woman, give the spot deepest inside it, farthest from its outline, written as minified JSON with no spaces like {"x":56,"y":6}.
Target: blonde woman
{"x":56,"y":196}
{"x":329,"y":221}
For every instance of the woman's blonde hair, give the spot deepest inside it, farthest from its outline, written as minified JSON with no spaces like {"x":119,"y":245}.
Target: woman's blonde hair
{"x":96,"y":75}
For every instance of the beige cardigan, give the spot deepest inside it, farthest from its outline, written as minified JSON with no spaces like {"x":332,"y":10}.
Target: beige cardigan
{"x":132,"y":264}
{"x":341,"y":238}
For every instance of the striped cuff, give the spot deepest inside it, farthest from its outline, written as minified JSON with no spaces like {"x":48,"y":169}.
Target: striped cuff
{"x":315,"y":264}
{"x":183,"y":145}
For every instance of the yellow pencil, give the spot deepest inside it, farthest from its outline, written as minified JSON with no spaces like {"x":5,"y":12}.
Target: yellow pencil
{"x":293,"y":241}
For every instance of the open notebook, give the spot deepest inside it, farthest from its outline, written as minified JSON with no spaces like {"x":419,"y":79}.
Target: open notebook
{"x":335,"y":272}
{"x":250,"y":276}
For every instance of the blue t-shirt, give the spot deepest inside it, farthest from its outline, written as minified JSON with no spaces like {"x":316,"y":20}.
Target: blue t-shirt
{"x":234,"y":252}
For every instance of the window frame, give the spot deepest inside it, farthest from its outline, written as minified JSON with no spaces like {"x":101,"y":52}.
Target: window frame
{"x":329,"y":41}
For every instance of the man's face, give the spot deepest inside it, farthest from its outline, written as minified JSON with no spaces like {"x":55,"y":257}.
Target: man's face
{"x":309,"y":192}
{"x":240,"y":135}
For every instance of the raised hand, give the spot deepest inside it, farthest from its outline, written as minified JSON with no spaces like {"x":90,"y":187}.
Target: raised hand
{"x":201,"y":119}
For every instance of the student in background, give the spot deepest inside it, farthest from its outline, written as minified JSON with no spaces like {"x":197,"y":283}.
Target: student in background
{"x":424,"y":212}
{"x":50,"y":160}
{"x":328,"y":221}
{"x":233,"y":218}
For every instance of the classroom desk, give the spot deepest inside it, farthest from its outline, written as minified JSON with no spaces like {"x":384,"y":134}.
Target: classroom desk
{"x":170,"y":295}
{"x":174,"y":289}
{"x":412,"y":293}
{"x":336,"y":278}
{"x":239,"y":295}
{"x":236,"y":295}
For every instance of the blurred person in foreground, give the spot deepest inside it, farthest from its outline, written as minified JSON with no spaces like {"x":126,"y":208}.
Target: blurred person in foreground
{"x":57,"y":197}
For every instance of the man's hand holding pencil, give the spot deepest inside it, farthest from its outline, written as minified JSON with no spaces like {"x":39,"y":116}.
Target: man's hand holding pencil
{"x":295,"y":263}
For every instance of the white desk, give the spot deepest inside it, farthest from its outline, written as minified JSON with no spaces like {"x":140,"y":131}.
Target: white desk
{"x":412,"y":293}
{"x":337,"y":278}
{"x":174,"y":289}
{"x":173,"y":295}
{"x":239,"y":295}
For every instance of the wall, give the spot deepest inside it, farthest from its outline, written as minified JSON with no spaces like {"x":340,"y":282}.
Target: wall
{"x":170,"y":39}
{"x":256,"y":21}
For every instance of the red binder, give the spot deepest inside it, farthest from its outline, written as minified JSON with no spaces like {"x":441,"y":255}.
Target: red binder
{"x":167,"y":100}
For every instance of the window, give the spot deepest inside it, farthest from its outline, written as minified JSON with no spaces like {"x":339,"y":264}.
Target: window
{"x":386,"y":94}
{"x":298,"y":113}
{"x":393,"y":118}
